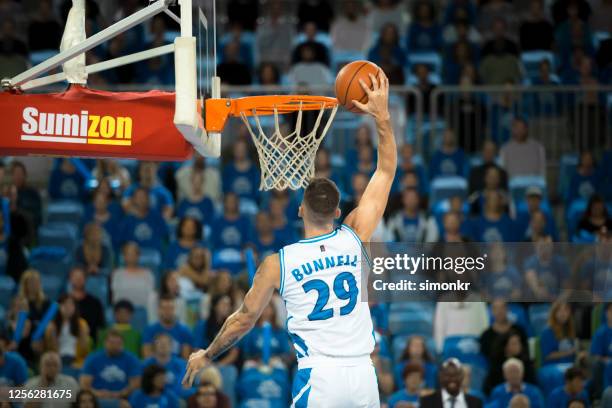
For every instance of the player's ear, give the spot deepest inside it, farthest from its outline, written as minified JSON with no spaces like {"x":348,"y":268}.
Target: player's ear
{"x":337,"y":213}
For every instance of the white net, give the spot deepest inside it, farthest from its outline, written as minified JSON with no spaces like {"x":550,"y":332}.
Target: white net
{"x":288,"y":161}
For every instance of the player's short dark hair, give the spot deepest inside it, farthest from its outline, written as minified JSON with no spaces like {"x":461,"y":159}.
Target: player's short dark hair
{"x":322,"y":198}
{"x":573,"y":373}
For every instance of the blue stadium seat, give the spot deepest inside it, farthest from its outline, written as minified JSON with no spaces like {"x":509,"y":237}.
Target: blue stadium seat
{"x":140,"y":319}
{"x":51,"y":260}
{"x":65,"y":211}
{"x":445,"y":187}
{"x":410,"y":323}
{"x":519,"y":184}
{"x":531,"y":61}
{"x":228,"y":258}
{"x":538,"y":317}
{"x":431,"y":59}
{"x":97,"y":286}
{"x":550,"y":377}
{"x":339,"y":58}
{"x":464,"y":348}
{"x":573,"y":213}
{"x":59,"y":234}
{"x":52,"y":285}
{"x":229,"y":375}
{"x":7,"y":288}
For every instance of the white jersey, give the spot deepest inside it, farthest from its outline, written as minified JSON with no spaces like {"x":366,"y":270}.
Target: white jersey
{"x":321,"y":284}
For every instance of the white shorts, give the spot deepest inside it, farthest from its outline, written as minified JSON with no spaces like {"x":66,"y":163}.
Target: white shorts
{"x":331,"y":386}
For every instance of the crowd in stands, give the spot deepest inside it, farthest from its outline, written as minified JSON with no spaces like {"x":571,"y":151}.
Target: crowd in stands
{"x":113,"y":271}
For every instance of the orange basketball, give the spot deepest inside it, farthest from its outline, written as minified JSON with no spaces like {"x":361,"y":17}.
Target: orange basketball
{"x":347,"y":83}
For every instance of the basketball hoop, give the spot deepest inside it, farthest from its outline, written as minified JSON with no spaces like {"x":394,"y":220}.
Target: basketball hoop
{"x":286,"y":161}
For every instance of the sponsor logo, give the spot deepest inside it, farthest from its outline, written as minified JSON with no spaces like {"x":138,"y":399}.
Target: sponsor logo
{"x":82,"y":128}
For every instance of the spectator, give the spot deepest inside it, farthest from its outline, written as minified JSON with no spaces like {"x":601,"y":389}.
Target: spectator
{"x":13,"y":368}
{"x":243,"y":13}
{"x":493,"y":11}
{"x":266,"y":241}
{"x":477,"y":179}
{"x":241,"y":175}
{"x":601,"y":20}
{"x":268,"y":74}
{"x":132,"y":281}
{"x":179,"y":288}
{"x":68,"y":334}
{"x":389,"y":45}
{"x":508,"y":345}
{"x":158,"y":70}
{"x":210,"y":182}
{"x":492,"y":183}
{"x":601,"y":344}
{"x":459,"y":319}
{"x":500,"y":63}
{"x":545,"y":77}
{"x":519,"y":401}
{"x":197,"y":268}
{"x":188,"y":237}
{"x":494,"y":224}
{"x":536,"y":32}
{"x":460,"y":54}
{"x":153,"y":391}
{"x":500,"y":326}
{"x":275,"y":34}
{"x":545,"y":272}
{"x":160,"y":199}
{"x":450,"y":392}
{"x":169,"y":324}
{"x":321,"y":53}
{"x":351,"y":31}
{"x":514,"y":385}
{"x":44,"y":21}
{"x":253,"y":343}
{"x":221,"y":306}
{"x":196,"y":204}
{"x":560,"y":10}
{"x":572,"y":33}
{"x":92,"y":254}
{"x":596,"y":217}
{"x":110,"y":171}
{"x":424,"y":34}
{"x":111,"y":373}
{"x":31,"y":289}
{"x":279,"y":218}
{"x":232,"y":230}
{"x":558,"y":340}
{"x":412,"y":374}
{"x":88,"y":306}
{"x":573,"y":389}
{"x":449,"y":159}
{"x":359,"y":184}
{"x":123,"y":311}
{"x":13,"y":51}
{"x":102,"y":213}
{"x":409,"y":224}
{"x":385,"y":12}
{"x":308,"y":71}
{"x":143,"y":225}
{"x":66,"y":182}
{"x":233,"y":70}
{"x":423,"y":82}
{"x":174,"y":366}
{"x":522,"y":156}
{"x":416,"y":353}
{"x":503,"y":281}
{"x":525,"y":217}
{"x":208,"y":395}
{"x":586,"y":181}
{"x":319,"y":12}
{"x":85,"y":399}
{"x":454,"y":228}
{"x":52,"y":379}
{"x":28,"y":198}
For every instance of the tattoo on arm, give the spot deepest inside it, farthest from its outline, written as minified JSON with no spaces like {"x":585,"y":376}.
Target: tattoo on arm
{"x":231,"y":331}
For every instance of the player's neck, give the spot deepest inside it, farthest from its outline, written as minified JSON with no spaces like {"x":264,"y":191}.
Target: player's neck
{"x":311,"y":231}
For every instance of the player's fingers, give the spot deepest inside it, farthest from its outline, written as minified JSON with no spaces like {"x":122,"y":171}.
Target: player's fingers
{"x":192,"y":378}
{"x":360,"y":105}
{"x":375,"y":85}
{"x":365,"y":88}
{"x":186,"y":377}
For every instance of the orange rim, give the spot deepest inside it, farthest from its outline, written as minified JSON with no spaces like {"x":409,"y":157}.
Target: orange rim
{"x":218,"y":110}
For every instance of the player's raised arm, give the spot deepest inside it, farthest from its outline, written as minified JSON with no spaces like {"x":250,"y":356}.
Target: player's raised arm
{"x":241,"y":321}
{"x":365,"y":218}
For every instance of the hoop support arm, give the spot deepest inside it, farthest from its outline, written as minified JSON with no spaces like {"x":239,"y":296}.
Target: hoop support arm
{"x":91,"y":42}
{"x":102,"y":66}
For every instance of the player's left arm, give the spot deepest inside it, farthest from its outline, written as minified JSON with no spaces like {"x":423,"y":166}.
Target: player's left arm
{"x":241,"y":321}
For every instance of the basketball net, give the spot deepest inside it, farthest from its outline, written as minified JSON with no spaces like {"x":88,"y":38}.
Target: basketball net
{"x":288,"y":161}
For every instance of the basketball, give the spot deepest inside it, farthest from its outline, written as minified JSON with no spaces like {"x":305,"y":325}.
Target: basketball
{"x":347,"y":83}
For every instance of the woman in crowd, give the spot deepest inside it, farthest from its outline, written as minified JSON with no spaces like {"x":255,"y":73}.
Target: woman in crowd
{"x":558,"y":340}
{"x":221,"y":307}
{"x":132,"y":281}
{"x":153,"y":391}
{"x":208,"y":396}
{"x":85,"y":399}
{"x":388,"y":44}
{"x":197,"y":268}
{"x":507,"y":345}
{"x":416,"y":352}
{"x":188,"y":236}
{"x":500,"y":326}
{"x":92,"y":254}
{"x":595,"y":217}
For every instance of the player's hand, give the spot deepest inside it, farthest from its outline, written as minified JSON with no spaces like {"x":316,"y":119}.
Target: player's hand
{"x":197,"y":361}
{"x":378,"y":97}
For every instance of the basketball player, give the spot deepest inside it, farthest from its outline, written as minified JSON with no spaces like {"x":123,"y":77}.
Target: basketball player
{"x":319,"y":279}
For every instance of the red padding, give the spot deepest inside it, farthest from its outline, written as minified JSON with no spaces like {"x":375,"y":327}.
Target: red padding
{"x":89,"y":123}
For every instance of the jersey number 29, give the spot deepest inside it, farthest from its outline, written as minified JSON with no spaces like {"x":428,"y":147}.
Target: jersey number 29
{"x":320,"y":312}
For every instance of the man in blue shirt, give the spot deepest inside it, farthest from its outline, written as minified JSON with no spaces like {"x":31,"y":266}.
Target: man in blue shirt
{"x":241,"y":176}
{"x":174,"y":366}
{"x":231,"y":230}
{"x":601,"y":345}
{"x":513,"y":373}
{"x":571,"y":390}
{"x":13,"y":368}
{"x":264,"y":384}
{"x":449,"y":160}
{"x":180,"y":334}
{"x":111,"y":373}
{"x":160,"y":198}
{"x":66,"y":183}
{"x":413,"y":375}
{"x":143,"y":225}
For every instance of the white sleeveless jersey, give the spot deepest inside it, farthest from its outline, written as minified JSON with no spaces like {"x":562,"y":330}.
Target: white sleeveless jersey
{"x":321,"y":286}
